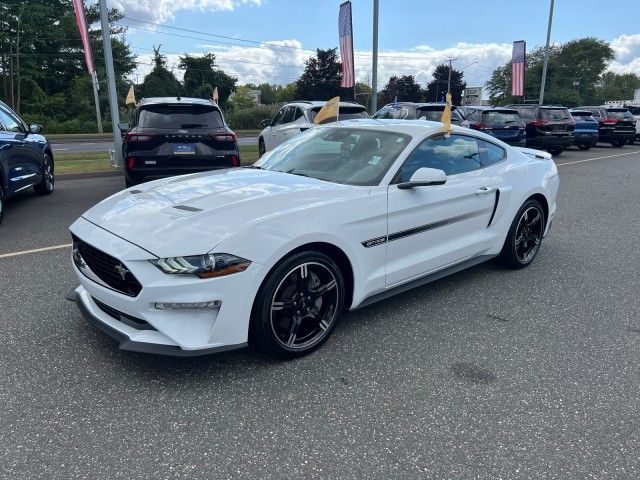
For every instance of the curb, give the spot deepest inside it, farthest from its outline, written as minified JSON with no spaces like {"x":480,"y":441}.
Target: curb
{"x":77,"y":176}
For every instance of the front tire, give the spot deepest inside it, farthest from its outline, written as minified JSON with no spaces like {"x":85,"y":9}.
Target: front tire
{"x":298,"y":305}
{"x":46,"y":185}
{"x":525,"y":236}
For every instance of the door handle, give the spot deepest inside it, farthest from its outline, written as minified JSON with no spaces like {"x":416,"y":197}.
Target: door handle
{"x":484,"y":190}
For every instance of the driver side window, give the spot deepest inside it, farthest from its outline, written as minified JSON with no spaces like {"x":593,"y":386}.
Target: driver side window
{"x":454,"y":154}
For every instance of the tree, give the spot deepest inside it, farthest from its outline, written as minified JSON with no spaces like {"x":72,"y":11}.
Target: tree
{"x":201,"y":76}
{"x":614,"y":86}
{"x":437,"y":88}
{"x":405,"y":88}
{"x":286,"y":93}
{"x":574,"y":73}
{"x":321,"y":78}
{"x":242,"y":97}
{"x":160,"y":82}
{"x":363,"y":93}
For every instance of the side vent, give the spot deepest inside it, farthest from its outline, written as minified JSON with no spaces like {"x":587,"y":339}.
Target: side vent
{"x":133,"y":192}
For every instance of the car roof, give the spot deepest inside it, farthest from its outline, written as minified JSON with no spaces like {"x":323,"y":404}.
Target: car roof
{"x":306,"y":104}
{"x":521,"y":105}
{"x":408,"y":127}
{"x":185,"y":100}
{"x":483,"y":108}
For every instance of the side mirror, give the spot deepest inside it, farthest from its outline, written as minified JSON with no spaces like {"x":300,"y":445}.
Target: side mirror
{"x":35,"y":128}
{"x":124,"y":126}
{"x":424,"y":177}
{"x":265,"y":122}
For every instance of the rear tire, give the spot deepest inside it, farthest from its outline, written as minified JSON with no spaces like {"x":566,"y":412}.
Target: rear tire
{"x":128,"y":183}
{"x":618,"y":143}
{"x":46,"y":185}
{"x":584,"y":146}
{"x":1,"y":203}
{"x":261,"y":148}
{"x":555,"y":151}
{"x":631,"y":141}
{"x":298,"y":305}
{"x":525,"y":236}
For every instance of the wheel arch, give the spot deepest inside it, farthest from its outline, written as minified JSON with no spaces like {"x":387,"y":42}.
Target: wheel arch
{"x":336,"y":254}
{"x":539,"y":197}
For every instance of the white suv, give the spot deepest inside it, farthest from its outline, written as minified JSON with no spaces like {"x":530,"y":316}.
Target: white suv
{"x":296,"y":117}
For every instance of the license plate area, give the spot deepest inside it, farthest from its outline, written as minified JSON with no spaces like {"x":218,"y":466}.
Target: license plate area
{"x":184,"y":148}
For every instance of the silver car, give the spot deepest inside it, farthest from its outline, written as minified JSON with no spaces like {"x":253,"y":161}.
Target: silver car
{"x":297,"y":117}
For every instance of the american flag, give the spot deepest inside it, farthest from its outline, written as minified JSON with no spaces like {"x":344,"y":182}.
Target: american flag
{"x":346,"y":45}
{"x":78,"y":6}
{"x":517,"y":68}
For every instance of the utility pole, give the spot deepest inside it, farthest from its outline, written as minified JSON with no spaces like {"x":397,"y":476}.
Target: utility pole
{"x":374,"y":72}
{"x":546,"y":55}
{"x":449,"y":80}
{"x":111,"y":82}
{"x":96,"y":100}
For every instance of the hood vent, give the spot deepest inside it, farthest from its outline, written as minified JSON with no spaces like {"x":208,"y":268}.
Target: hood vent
{"x":188,"y":208}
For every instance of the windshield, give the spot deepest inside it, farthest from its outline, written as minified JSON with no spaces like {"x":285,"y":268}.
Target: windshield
{"x":392,"y":113}
{"x":620,"y":114}
{"x":496,"y":117}
{"x":179,"y":117}
{"x":344,"y":113}
{"x":339,"y":155}
{"x":554,"y":114}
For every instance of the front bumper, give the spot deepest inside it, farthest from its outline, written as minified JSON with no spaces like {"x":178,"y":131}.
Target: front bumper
{"x":139,"y":326}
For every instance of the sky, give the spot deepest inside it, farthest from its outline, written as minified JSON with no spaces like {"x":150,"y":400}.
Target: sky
{"x":269,"y":40}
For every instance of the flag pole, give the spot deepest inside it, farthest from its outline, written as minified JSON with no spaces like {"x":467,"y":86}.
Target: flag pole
{"x":546,"y":56}
{"x":96,"y":99}
{"x":353,"y":64}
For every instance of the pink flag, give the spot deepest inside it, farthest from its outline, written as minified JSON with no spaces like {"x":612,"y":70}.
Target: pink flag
{"x":81,"y":19}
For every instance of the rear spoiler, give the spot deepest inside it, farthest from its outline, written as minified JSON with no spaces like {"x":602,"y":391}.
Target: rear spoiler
{"x":537,"y":154}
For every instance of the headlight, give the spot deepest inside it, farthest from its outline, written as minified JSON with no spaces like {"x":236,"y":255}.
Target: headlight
{"x":204,"y":266}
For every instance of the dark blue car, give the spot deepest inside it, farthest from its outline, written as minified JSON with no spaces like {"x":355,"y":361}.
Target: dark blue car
{"x":586,"y":132}
{"x":503,"y":123}
{"x":26,"y":159}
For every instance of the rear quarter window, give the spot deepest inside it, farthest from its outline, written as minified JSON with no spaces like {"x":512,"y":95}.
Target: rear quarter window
{"x":527,"y":113}
{"x":490,"y":154}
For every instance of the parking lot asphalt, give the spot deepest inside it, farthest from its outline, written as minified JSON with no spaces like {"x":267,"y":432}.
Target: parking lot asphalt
{"x":485,"y":374}
{"x":105,"y":144}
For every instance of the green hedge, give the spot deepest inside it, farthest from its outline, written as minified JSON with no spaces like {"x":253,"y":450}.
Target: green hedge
{"x":250,"y":118}
{"x":76,"y":125}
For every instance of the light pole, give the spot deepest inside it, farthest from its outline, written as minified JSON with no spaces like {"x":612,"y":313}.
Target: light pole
{"x":546,"y":56}
{"x":111,"y":83}
{"x":374,"y":64}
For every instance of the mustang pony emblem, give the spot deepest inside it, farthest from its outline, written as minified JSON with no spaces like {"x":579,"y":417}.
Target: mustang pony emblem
{"x":122,"y":271}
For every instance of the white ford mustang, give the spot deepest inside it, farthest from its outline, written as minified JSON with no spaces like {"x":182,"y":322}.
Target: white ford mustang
{"x":339,"y":217}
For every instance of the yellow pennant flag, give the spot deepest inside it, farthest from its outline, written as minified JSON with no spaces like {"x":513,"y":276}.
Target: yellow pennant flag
{"x":329,"y":112}
{"x":446,"y":115}
{"x":215,"y":96}
{"x":131,"y":97}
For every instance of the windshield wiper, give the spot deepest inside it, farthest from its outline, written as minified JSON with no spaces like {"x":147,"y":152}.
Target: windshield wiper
{"x":252,"y":166}
{"x":293,"y":172}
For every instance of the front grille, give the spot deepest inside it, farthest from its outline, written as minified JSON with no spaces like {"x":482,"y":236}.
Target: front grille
{"x":107,"y":268}
{"x":133,"y":322}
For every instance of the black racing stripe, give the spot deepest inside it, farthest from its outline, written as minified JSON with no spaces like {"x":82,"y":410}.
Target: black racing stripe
{"x":422,"y":228}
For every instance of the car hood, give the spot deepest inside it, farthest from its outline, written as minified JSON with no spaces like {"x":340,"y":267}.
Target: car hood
{"x":192,"y":214}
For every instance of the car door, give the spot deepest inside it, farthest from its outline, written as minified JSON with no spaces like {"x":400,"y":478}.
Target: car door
{"x":430,"y":228}
{"x":293,"y":121}
{"x":271,"y":136}
{"x":17,"y":158}
{"x":278,"y":130}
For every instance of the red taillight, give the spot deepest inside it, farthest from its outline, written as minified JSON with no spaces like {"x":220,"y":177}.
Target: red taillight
{"x":131,"y":162}
{"x":224,"y":137}
{"x":540,"y":123}
{"x":235,"y":161}
{"x":136,"y":137}
{"x":609,"y":121}
{"x":481,"y":126}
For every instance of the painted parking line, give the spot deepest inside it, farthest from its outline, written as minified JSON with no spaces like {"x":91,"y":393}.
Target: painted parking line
{"x":598,"y":158}
{"x":35,"y":250}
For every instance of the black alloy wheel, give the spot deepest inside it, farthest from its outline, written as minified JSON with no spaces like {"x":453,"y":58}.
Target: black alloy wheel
{"x":1,"y":204}
{"x":299,"y":305}
{"x":46,"y":185}
{"x":525,"y":235}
